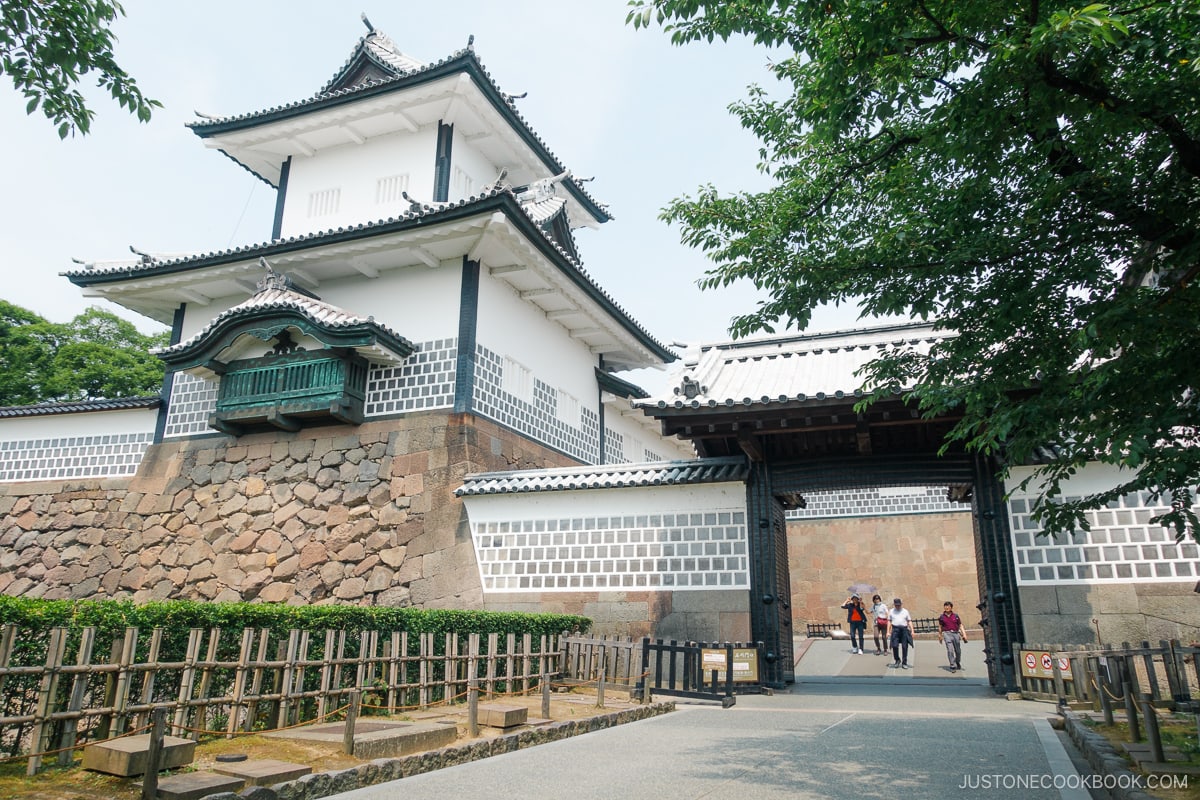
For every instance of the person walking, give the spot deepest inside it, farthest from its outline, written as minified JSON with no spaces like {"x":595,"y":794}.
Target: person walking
{"x":879,"y":610}
{"x":952,"y":634}
{"x":899,"y":633}
{"x":856,"y":615}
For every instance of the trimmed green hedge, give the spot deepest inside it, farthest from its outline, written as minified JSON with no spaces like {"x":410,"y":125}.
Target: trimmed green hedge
{"x":186,"y":614}
{"x":35,"y":618}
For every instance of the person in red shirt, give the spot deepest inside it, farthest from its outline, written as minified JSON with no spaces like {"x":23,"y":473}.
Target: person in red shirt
{"x":856,"y":615}
{"x":952,"y":634}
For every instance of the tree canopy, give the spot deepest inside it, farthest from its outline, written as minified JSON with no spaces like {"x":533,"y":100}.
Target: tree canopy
{"x":48,"y":46}
{"x":1024,"y":172}
{"x":95,"y":356}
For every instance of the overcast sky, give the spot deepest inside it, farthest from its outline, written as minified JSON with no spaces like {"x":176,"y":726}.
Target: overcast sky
{"x":647,"y":119}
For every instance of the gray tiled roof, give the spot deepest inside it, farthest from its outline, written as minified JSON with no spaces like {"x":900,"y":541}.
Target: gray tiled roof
{"x":80,"y":406}
{"x":787,"y":369}
{"x":407,"y":71}
{"x":320,"y":312}
{"x":606,"y":476}
{"x":425,"y":215}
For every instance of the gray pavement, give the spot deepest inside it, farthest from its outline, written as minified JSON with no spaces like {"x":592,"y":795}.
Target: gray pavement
{"x":832,"y":736}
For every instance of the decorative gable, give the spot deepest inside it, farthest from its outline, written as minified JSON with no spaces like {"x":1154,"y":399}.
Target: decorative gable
{"x":290,"y":385}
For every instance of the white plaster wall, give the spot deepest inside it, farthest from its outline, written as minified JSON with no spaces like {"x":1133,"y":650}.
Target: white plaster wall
{"x":196,"y":316}
{"x":1093,"y":478}
{"x":1121,"y":546}
{"x":354,"y":169}
{"x":513,"y":327}
{"x":418,"y":303}
{"x":645,"y":538}
{"x":479,"y":169}
{"x":648,"y":437}
{"x":92,"y":423}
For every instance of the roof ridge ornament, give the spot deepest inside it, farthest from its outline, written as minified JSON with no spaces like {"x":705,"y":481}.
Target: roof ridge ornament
{"x":273,"y":279}
{"x":542,"y":189}
{"x":690,"y":388}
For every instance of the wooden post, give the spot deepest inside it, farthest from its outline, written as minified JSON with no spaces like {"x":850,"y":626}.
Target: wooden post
{"x":600,"y":688}
{"x":473,"y":684}
{"x":206,"y":671}
{"x":1128,"y":688}
{"x":394,"y":659}
{"x":66,"y":744}
{"x":510,"y":668}
{"x":239,"y":681}
{"x":45,"y":703}
{"x":545,"y":696}
{"x":285,"y":683}
{"x":187,"y":680}
{"x":1103,"y":680}
{"x":108,"y":721}
{"x":1060,"y":691}
{"x":158,"y":728}
{"x":493,"y":645}
{"x":121,"y":699}
{"x":143,"y":718}
{"x":264,"y":634}
{"x":351,"y":720}
{"x":1152,"y":734}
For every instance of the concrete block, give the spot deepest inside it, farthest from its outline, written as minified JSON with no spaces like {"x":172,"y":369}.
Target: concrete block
{"x":495,"y":715}
{"x":263,"y":771}
{"x":194,"y":785}
{"x":127,"y":756}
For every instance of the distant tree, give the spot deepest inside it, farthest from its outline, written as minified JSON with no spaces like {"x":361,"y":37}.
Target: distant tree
{"x":27,"y":347}
{"x":48,"y":46}
{"x":1027,"y":173}
{"x":97,"y":355}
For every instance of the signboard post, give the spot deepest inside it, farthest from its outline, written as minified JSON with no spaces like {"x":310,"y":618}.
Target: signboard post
{"x":1040,"y":664}
{"x":745,"y":664}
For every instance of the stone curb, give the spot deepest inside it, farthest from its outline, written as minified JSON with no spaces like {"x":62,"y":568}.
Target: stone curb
{"x":382,"y":770}
{"x":1103,"y":758}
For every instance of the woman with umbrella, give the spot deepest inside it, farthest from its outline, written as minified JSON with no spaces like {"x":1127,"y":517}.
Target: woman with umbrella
{"x":856,"y":615}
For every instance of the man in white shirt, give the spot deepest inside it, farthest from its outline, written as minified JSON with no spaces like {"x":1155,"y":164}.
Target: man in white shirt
{"x":899,"y":633}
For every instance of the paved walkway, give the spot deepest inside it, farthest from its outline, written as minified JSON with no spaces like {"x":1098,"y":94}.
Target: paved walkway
{"x":838,"y":735}
{"x":825,"y":658}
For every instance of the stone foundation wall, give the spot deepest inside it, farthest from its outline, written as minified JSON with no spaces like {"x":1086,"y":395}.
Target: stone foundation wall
{"x":1110,"y":613}
{"x":924,"y":559}
{"x":362,"y":515}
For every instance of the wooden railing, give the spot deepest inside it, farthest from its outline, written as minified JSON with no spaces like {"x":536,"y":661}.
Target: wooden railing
{"x":616,"y":660}
{"x":273,"y":682}
{"x":1168,"y":672}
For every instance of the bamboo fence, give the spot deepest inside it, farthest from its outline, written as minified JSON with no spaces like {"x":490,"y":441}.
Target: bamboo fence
{"x":58,"y":693}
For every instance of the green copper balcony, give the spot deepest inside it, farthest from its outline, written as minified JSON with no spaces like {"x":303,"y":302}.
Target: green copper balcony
{"x":291,"y":391}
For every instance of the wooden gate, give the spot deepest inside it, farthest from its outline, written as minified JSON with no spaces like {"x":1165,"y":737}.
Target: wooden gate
{"x":705,"y":671}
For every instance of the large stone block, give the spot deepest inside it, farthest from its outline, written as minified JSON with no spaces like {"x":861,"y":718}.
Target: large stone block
{"x":127,"y":756}
{"x":497,"y":715}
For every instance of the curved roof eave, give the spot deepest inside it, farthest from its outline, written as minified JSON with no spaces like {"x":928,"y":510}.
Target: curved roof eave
{"x":729,"y":469}
{"x":501,"y":200}
{"x":81,"y":407}
{"x":463,"y":61}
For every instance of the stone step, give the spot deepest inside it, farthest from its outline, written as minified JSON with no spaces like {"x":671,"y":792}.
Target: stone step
{"x":194,"y":785}
{"x":127,"y":756}
{"x":263,"y":771}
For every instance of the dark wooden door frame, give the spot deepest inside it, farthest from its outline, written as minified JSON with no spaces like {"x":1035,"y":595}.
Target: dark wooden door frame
{"x":770,"y":588}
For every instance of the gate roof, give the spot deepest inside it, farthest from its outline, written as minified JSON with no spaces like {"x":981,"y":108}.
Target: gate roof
{"x":793,"y":396}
